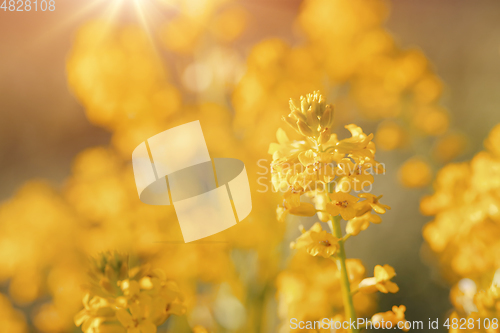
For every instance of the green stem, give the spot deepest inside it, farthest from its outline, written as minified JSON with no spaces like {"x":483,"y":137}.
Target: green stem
{"x":350,"y":313}
{"x":346,"y":237}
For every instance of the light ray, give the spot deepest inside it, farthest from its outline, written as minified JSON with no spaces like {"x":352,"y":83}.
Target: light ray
{"x":142,"y":18}
{"x":70,"y":20}
{"x":107,"y":11}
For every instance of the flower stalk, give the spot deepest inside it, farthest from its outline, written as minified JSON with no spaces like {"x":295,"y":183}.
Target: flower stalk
{"x":336,"y":175}
{"x":345,"y":284}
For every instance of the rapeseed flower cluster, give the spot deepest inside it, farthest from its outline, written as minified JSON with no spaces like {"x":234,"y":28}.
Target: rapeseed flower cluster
{"x":47,"y":232}
{"x":96,"y":209}
{"x":464,"y":234}
{"x":332,"y":172}
{"x":348,"y":54}
{"x":127,"y":299}
{"x":466,"y":209}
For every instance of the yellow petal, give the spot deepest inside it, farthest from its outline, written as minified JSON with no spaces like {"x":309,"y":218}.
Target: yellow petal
{"x":367,"y":285}
{"x":306,"y":157}
{"x":391,"y":287}
{"x":375,"y":218}
{"x":378,"y":209}
{"x":109,"y":328}
{"x":136,"y":310}
{"x":124,"y":318}
{"x":147,"y":326}
{"x":348,"y":213}
{"x":305,"y":209}
{"x":316,"y":227}
{"x":332,"y":209}
{"x":292,"y":199}
{"x":384,"y":273}
{"x":80,"y":317}
{"x":355,"y":130}
{"x":273,"y":147}
{"x":281,"y":136}
{"x":177,"y":309}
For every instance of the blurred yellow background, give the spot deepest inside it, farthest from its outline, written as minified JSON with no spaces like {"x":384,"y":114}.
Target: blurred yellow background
{"x":79,"y":92}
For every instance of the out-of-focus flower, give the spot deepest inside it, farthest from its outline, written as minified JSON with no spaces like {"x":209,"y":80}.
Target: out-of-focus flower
{"x":102,"y":188}
{"x":118,"y":76}
{"x":488,"y":302}
{"x":55,"y":272}
{"x":431,"y":120}
{"x":448,"y":147}
{"x":310,"y":289}
{"x":395,"y":317}
{"x":198,"y":38}
{"x":390,"y":135}
{"x":229,"y":24}
{"x":466,"y":207}
{"x":491,"y":143}
{"x":360,"y":223}
{"x":462,"y":296}
{"x":127,"y":299}
{"x":476,"y":307}
{"x":12,"y":320}
{"x":465,"y":233}
{"x":185,"y":32}
{"x":199,"y":329}
{"x":346,"y":43}
{"x":428,"y":89}
{"x":415,"y":173}
{"x":380,"y":282}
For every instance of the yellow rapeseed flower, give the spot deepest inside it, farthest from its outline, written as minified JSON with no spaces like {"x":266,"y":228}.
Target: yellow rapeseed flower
{"x":465,"y":231}
{"x":352,"y":176}
{"x":127,"y":300}
{"x":371,"y":202}
{"x":380,"y":282}
{"x":309,"y":166}
{"x":397,"y":315}
{"x":317,"y":241}
{"x":328,"y":170}
{"x":360,"y":223}
{"x":343,"y":204}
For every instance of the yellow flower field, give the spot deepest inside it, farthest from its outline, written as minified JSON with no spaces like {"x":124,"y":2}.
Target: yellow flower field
{"x":373,"y":164}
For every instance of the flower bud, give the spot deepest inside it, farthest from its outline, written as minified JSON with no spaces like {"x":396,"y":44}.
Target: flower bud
{"x":327,"y":117}
{"x":298,"y":115}
{"x":312,"y":120}
{"x":304,"y":129}
{"x":314,"y":107}
{"x":293,"y":105}
{"x":290,"y":121}
{"x":304,"y":105}
{"x":325,"y":135}
{"x":321,"y":106}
